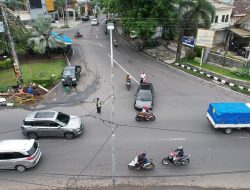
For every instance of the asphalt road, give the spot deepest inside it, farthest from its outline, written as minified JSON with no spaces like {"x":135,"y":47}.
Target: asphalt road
{"x":181,"y":101}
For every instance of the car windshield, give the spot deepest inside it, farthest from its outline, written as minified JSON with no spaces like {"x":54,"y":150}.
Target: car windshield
{"x":62,"y":117}
{"x":144,"y":95}
{"x":68,"y":72}
{"x":32,"y":149}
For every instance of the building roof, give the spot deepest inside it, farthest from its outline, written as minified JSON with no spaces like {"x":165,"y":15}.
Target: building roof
{"x":240,"y":32}
{"x":219,"y":5}
{"x":243,"y":19}
{"x":241,"y":7}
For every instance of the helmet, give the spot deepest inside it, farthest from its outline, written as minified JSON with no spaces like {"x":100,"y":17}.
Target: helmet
{"x":143,"y":154}
{"x":180,"y":148}
{"x":145,"y":107}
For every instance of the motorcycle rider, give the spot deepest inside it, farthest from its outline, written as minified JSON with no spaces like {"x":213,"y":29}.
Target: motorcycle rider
{"x":128,"y":78}
{"x":179,"y":153}
{"x":145,"y":112}
{"x":78,"y":33}
{"x":115,"y":43}
{"x":141,"y":160}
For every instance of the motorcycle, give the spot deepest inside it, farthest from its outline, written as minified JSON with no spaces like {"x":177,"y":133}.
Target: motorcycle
{"x":170,"y":159}
{"x":128,"y":84}
{"x":141,"y":117}
{"x":147,"y":166}
{"x":78,"y":36}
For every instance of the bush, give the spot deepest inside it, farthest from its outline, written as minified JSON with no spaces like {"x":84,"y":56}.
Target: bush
{"x":191,"y":54}
{"x":6,"y":64}
{"x":44,"y":79}
{"x":198,"y":51}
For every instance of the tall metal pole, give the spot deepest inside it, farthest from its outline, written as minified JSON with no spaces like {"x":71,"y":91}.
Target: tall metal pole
{"x":16,"y":64}
{"x":111,"y":27}
{"x":66,"y":13}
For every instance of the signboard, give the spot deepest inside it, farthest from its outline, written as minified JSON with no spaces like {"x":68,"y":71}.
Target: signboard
{"x":188,"y":41}
{"x":205,"y":38}
{"x":1,"y":27}
{"x":50,"y":5}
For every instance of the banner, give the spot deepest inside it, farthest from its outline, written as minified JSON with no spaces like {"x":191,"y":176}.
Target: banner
{"x":188,"y":41}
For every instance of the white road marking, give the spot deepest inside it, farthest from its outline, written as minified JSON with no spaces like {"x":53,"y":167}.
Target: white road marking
{"x":125,"y":70}
{"x":95,"y":36}
{"x":100,"y":45}
{"x":243,"y":137}
{"x":174,"y":139}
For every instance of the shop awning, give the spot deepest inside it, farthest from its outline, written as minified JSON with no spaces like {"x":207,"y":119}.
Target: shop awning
{"x":240,"y":32}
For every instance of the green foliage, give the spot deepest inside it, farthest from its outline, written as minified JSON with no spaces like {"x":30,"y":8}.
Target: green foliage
{"x":197,"y":14}
{"x":6,"y":64}
{"x":198,"y":51}
{"x":44,"y":79}
{"x":15,"y":4}
{"x":191,"y":54}
{"x":242,"y":72}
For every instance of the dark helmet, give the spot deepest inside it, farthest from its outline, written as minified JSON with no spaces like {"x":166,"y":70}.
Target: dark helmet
{"x":143,"y":154}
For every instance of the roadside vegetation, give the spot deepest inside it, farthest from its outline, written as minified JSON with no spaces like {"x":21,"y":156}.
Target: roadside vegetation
{"x":46,"y":73}
{"x":234,"y":74}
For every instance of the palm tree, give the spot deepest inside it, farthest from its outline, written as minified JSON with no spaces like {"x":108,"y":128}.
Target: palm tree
{"x":196,"y":14}
{"x":199,"y":15}
{"x":42,"y":40}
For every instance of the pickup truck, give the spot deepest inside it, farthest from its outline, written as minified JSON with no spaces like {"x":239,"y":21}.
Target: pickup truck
{"x":229,"y":116}
{"x":71,"y":75}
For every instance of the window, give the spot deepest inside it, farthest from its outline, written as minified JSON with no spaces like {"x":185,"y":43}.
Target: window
{"x":40,"y":123}
{"x":7,"y":156}
{"x":19,"y":155}
{"x":52,"y":124}
{"x":226,"y":20}
{"x":216,"y":19}
{"x":223,"y":18}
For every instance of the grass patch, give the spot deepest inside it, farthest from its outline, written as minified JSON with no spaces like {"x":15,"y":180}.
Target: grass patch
{"x":43,"y":69}
{"x":243,"y":91}
{"x":216,"y":69}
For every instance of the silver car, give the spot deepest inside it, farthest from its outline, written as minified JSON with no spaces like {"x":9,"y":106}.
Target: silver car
{"x":144,"y":96}
{"x":51,"y":124}
{"x":19,"y":154}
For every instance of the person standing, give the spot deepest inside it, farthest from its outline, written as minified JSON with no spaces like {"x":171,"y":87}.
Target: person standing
{"x":143,"y":77}
{"x":98,"y":105}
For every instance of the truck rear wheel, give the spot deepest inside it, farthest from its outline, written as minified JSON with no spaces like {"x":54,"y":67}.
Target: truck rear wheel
{"x":227,"y":131}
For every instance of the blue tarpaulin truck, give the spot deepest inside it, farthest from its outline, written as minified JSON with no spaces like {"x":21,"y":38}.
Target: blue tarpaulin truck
{"x":228,"y":116}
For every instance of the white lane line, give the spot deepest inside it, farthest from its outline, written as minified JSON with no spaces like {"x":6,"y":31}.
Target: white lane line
{"x":100,"y":45}
{"x":125,"y":70}
{"x":174,"y":139}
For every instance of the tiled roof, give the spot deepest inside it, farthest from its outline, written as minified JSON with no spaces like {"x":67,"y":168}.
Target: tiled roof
{"x":241,"y":6}
{"x":219,"y":5}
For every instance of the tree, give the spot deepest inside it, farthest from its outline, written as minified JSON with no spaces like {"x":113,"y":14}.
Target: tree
{"x":143,"y":16}
{"x":193,"y":14}
{"x":60,"y":6}
{"x":42,"y":40}
{"x":15,"y":4}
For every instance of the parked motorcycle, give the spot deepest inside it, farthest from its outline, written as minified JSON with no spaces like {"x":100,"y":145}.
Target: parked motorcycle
{"x":128,"y":84}
{"x":141,"y":117}
{"x":147,"y":166}
{"x":182,"y":161}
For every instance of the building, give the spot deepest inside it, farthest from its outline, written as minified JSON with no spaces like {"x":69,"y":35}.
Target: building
{"x":241,"y":8}
{"x":221,"y":20}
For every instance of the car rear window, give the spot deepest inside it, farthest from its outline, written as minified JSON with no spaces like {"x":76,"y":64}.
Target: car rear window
{"x":144,"y":95}
{"x":33,"y":149}
{"x":62,"y":117}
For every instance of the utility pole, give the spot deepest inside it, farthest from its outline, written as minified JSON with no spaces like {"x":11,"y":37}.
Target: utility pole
{"x":111,"y":28}
{"x":16,"y":64}
{"x":66,"y":13}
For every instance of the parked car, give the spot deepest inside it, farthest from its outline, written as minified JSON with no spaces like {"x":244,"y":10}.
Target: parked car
{"x":71,"y":75}
{"x":94,"y":22}
{"x":144,"y":96}
{"x":85,"y":18}
{"x":51,"y":124}
{"x":19,"y":154}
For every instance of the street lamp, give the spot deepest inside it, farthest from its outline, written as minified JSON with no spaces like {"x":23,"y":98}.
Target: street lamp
{"x":111,"y":27}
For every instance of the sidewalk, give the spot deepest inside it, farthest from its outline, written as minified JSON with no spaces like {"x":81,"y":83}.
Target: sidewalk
{"x":71,"y":23}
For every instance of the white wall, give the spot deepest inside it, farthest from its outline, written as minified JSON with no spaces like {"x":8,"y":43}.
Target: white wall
{"x":220,"y":24}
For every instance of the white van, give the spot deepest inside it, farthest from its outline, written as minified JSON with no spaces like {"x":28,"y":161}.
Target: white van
{"x":19,"y":154}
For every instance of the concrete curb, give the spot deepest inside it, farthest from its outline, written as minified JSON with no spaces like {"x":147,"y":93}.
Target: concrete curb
{"x":213,"y":77}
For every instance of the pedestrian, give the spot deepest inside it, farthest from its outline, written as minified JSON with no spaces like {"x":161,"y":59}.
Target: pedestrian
{"x":143,"y":77}
{"x":98,"y":105}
